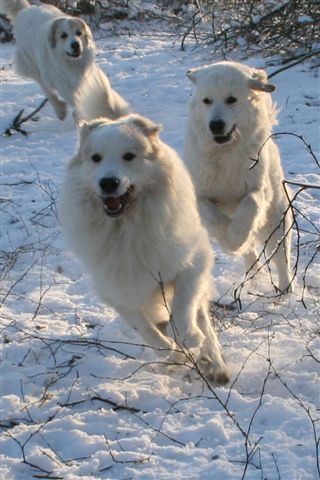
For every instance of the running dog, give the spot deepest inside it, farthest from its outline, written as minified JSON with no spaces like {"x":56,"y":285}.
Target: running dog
{"x":236,"y":166}
{"x":58,"y":52}
{"x":128,"y":211}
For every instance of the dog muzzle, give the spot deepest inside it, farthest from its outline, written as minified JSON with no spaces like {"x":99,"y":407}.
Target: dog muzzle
{"x":115,"y":206}
{"x":224,"y":138}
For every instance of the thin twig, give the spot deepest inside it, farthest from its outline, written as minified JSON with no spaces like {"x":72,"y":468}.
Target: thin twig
{"x":19,"y":120}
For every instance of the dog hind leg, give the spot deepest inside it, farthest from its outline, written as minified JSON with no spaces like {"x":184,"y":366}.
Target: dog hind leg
{"x":250,"y":259}
{"x":279,"y":249}
{"x":153,"y":336}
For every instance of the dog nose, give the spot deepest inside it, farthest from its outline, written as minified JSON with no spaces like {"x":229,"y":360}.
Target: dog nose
{"x":217,"y":126}
{"x":109,"y":185}
{"x":75,"y":45}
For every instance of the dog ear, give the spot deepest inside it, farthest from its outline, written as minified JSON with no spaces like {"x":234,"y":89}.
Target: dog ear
{"x":83,"y":132}
{"x":86,"y":127}
{"x":192,"y":74}
{"x":83,"y":128}
{"x":148,"y":128}
{"x":259,"y":82}
{"x":52,"y":35}
{"x":88,"y":35}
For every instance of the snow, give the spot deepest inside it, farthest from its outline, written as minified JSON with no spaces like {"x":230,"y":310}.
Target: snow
{"x":305,"y":19}
{"x":81,"y":398}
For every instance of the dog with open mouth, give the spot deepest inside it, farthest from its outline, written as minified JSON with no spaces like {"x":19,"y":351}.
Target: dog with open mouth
{"x":52,"y":48}
{"x":242,"y":201}
{"x":58,"y":52}
{"x":128,"y":211}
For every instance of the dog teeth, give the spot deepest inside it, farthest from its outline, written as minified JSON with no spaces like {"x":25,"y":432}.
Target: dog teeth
{"x":113,"y":203}
{"x":114,"y":206}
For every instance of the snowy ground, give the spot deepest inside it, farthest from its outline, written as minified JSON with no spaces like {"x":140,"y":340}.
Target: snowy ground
{"x":78,"y":400}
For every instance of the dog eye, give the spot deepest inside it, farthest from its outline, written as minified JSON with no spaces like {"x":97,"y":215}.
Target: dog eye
{"x":231,"y":100}
{"x":64,"y":35}
{"x":128,"y":156}
{"x":96,"y":158}
{"x":79,"y":33}
{"x":207,"y":101}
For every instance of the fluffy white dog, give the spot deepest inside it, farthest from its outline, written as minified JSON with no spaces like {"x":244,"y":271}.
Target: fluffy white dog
{"x":128,"y":210}
{"x":58,"y":52}
{"x":242,"y":201}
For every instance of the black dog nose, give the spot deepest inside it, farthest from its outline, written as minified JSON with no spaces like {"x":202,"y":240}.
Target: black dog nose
{"x":217,"y":126}
{"x":75,"y":45}
{"x":109,"y":185}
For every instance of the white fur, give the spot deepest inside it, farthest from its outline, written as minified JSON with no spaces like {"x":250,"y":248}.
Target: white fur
{"x":157,"y":238}
{"x":241,"y":202}
{"x":46,"y":57}
{"x":96,"y":98}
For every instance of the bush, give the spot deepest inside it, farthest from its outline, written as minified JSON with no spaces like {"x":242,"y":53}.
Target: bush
{"x":286,"y":28}
{"x":6,"y":34}
{"x":266,"y":28}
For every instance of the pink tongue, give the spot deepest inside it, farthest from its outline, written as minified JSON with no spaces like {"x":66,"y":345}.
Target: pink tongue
{"x":113,"y":203}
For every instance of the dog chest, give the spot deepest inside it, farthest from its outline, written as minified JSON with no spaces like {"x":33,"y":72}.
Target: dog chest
{"x":226,"y":183}
{"x":129,"y":267}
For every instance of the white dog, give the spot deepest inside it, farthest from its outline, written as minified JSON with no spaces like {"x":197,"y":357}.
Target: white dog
{"x":236,"y":167}
{"x":58,"y":52}
{"x":128,"y":210}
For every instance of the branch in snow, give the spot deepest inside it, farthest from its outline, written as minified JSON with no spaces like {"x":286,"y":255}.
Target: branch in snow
{"x":19,"y":120}
{"x":295,"y":212}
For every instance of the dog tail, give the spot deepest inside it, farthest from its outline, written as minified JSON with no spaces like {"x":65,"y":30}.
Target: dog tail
{"x":96,"y":98}
{"x":11,"y":8}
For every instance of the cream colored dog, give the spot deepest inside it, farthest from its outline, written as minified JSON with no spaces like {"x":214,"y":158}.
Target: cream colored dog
{"x":242,"y":201}
{"x":58,"y":52}
{"x":128,"y":210}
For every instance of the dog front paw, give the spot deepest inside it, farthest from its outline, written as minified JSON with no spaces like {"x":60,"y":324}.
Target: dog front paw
{"x":285,"y":288}
{"x":236,"y":237}
{"x":192,"y":339}
{"x":60,"y":108}
{"x":212,"y":372}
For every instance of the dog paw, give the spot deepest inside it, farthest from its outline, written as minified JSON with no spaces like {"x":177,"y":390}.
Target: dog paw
{"x":219,"y":376}
{"x":213,"y":373}
{"x":177,"y":359}
{"x":285,"y":289}
{"x":191,"y":337}
{"x":60,"y":108}
{"x":236,"y":237}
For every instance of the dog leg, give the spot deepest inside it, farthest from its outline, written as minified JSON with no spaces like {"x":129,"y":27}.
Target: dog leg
{"x":214,"y":219}
{"x":279,"y":249}
{"x":211,"y":362}
{"x":189,"y":288}
{"x":243,"y":222}
{"x":59,"y":106}
{"x":250,"y":259}
{"x":152,"y":335}
{"x":76,"y":118}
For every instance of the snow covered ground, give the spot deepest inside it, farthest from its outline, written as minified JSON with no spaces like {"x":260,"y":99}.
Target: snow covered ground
{"x":79,"y":396}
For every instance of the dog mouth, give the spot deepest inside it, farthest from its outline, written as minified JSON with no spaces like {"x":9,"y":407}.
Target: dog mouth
{"x":224,"y":138}
{"x":74,"y":54}
{"x":115,"y":206}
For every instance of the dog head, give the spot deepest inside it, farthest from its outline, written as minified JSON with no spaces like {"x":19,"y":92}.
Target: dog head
{"x":118,"y":159}
{"x":70,"y":36}
{"x":226,"y":99}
